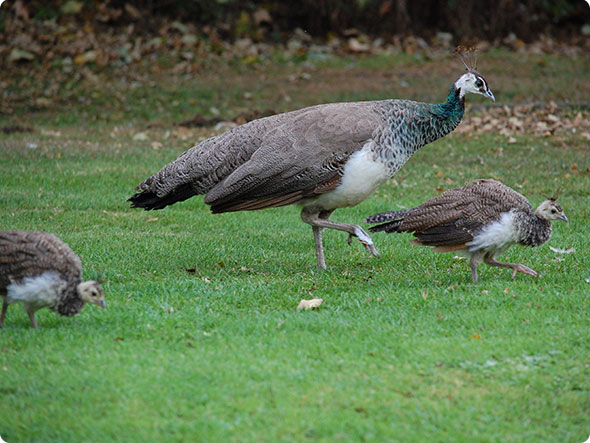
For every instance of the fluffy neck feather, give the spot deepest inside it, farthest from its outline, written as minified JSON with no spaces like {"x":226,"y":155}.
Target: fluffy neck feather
{"x":69,"y":302}
{"x":534,"y":230}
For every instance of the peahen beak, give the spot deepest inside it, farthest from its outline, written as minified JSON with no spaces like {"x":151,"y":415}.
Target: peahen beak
{"x":490,"y":95}
{"x":564,"y":218}
{"x":101,"y":303}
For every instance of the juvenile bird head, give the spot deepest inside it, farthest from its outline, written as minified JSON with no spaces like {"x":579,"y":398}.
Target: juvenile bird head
{"x":91,"y":292}
{"x":551,"y":210}
{"x":471,"y":81}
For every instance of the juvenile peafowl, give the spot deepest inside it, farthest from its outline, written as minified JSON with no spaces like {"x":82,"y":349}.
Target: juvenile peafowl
{"x":39,"y":270}
{"x":323,"y":157}
{"x":482,"y":220}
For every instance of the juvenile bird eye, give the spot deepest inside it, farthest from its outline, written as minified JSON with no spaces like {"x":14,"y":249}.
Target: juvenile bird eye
{"x":553,"y":211}
{"x":478,"y":83}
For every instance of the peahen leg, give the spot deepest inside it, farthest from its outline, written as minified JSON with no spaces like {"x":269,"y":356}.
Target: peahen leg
{"x":319,"y":221}
{"x":515,"y":267}
{"x":317,"y":236}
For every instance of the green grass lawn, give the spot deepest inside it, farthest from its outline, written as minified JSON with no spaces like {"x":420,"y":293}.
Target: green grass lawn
{"x":202,"y":340}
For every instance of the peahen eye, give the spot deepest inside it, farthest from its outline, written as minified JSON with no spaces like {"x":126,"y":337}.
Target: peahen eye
{"x":553,"y":211}
{"x":478,"y":83}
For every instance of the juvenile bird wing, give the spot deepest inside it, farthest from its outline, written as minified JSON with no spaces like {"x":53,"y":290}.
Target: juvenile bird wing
{"x":28,"y":254}
{"x":455,"y":216}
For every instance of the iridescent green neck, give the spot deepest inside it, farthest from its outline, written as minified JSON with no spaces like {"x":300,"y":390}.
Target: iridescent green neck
{"x":417,"y":124}
{"x":453,"y":108}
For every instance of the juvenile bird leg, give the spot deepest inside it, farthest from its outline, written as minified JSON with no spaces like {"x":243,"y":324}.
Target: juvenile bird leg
{"x":31,"y":313}
{"x":515,"y":267}
{"x":319,"y":221}
{"x":3,"y":314}
{"x":476,"y":258}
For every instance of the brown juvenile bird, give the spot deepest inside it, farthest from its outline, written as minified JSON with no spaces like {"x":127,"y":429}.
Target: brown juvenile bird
{"x":482,"y":220}
{"x":39,"y":270}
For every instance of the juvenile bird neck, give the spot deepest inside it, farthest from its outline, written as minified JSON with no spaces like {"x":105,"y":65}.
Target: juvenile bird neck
{"x":69,"y":302}
{"x":534,"y":230}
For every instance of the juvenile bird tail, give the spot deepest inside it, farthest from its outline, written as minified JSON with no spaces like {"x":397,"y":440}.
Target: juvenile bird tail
{"x":393,"y":220}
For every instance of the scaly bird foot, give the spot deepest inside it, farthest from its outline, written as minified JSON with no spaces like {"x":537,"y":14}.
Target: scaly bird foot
{"x":524,"y":269}
{"x":364,"y":238}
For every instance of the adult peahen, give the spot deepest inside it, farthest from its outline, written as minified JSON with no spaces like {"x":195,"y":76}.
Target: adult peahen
{"x":482,"y":220}
{"x":323,"y":157}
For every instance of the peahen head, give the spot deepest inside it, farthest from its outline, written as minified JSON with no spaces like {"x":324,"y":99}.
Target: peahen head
{"x":473,"y":81}
{"x":551,"y":210}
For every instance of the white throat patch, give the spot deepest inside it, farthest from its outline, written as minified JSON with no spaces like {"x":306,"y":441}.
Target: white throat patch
{"x":464,"y":84}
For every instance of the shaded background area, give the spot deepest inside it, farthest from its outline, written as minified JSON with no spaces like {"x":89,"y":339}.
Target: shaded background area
{"x":270,"y":20}
{"x":103,"y":58}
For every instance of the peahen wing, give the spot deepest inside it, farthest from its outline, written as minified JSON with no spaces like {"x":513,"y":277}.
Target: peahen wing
{"x":302,"y":157}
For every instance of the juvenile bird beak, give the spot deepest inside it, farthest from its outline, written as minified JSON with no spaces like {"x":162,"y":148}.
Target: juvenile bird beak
{"x":490,"y":95}
{"x":564,"y":218}
{"x":101,"y":303}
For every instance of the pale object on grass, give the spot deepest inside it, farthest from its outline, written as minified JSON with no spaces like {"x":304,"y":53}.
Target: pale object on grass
{"x":17,"y":55}
{"x":310,"y":304}
{"x":563,"y":251}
